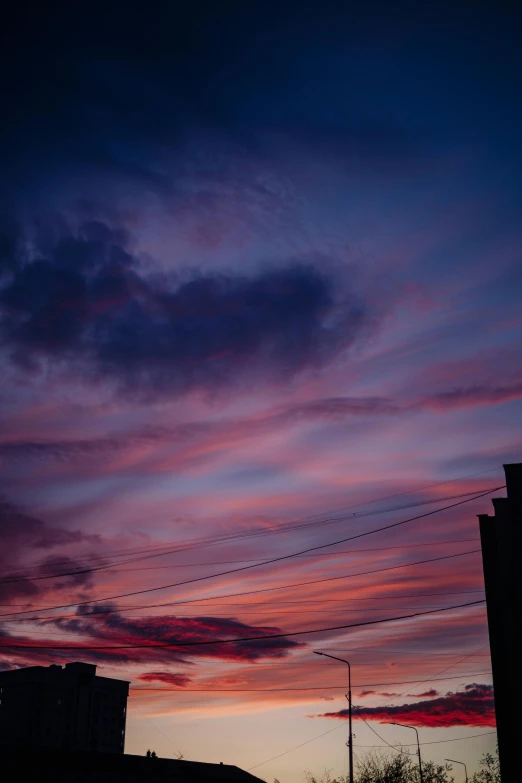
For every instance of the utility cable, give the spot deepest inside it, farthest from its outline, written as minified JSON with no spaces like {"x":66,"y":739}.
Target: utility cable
{"x":423,"y":682}
{"x":252,"y":592}
{"x":117,"y":569}
{"x":271,"y":561}
{"x":336,"y":728}
{"x":286,"y":526}
{"x":145,"y":553}
{"x":267,"y":562}
{"x":434,"y":742}
{"x":202,"y":602}
{"x":183,"y":689}
{"x":165,"y":645}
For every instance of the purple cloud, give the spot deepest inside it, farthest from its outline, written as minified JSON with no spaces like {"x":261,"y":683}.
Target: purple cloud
{"x":83,"y":295}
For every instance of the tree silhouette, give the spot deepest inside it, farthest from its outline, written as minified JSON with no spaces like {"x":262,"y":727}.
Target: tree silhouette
{"x":402,"y":767}
{"x":490,"y":772}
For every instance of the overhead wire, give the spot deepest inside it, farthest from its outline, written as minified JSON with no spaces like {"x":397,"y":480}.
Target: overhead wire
{"x":376,"y":732}
{"x":397,"y":696}
{"x":422,"y":682}
{"x":257,"y":591}
{"x":117,"y":569}
{"x":285,"y":612}
{"x":212,"y":540}
{"x":262,"y":563}
{"x":124,"y":552}
{"x":336,"y":728}
{"x":141,"y":553}
{"x":200,"y":643}
{"x":399,"y":652}
{"x":436,"y":742}
{"x":201,"y":602}
{"x":182,"y":689}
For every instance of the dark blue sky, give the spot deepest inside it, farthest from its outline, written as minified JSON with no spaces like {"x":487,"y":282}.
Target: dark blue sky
{"x":385,"y":84}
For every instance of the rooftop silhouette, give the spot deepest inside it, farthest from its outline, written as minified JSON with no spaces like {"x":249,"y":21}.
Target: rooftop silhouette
{"x":83,"y":767}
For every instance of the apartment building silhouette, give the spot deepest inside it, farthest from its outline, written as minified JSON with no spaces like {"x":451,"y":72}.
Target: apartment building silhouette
{"x":68,"y":708}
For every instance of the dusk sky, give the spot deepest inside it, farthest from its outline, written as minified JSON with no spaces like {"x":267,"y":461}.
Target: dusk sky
{"x":260,"y":285}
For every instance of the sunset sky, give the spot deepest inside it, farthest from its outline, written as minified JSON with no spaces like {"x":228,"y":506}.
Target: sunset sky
{"x":260,"y":284}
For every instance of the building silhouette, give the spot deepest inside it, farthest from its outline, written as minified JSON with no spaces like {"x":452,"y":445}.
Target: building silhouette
{"x":61,"y":766}
{"x":501,"y":540}
{"x":67,"y":708}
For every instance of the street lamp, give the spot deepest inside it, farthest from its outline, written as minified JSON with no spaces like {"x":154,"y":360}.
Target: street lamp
{"x":460,"y":762}
{"x":350,"y":740}
{"x":418,"y":746}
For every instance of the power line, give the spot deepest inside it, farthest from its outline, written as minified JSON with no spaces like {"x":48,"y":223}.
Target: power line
{"x":212,"y":599}
{"x":398,"y":652}
{"x":434,"y":742}
{"x":203,"y":542}
{"x":201,"y":602}
{"x":277,"y":619}
{"x":270,"y":664}
{"x":451,"y":666}
{"x":288,"y":612}
{"x":322,"y":554}
{"x":336,"y":728}
{"x":255,"y":664}
{"x":383,"y":740}
{"x":182,"y":689}
{"x":209,"y":540}
{"x":271,"y":561}
{"x":247,"y":592}
{"x":164,"y":645}
{"x":374,"y":731}
{"x":117,"y":569}
{"x":422,"y":682}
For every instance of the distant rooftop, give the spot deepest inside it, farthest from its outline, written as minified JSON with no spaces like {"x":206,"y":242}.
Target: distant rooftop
{"x":64,"y":766}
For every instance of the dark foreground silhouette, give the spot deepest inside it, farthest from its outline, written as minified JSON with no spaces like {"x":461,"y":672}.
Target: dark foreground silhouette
{"x":58,"y":766}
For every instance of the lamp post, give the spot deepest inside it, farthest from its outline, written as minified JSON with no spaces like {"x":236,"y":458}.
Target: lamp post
{"x":418,"y":746}
{"x":350,"y":739}
{"x":460,"y":762}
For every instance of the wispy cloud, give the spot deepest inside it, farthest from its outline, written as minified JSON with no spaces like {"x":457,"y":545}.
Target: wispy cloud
{"x":178,"y":679}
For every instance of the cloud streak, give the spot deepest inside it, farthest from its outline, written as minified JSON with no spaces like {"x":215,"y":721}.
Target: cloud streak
{"x":178,"y":679}
{"x":119,"y":630}
{"x":200,"y":440}
{"x":473,"y":706}
{"x":472,"y":396}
